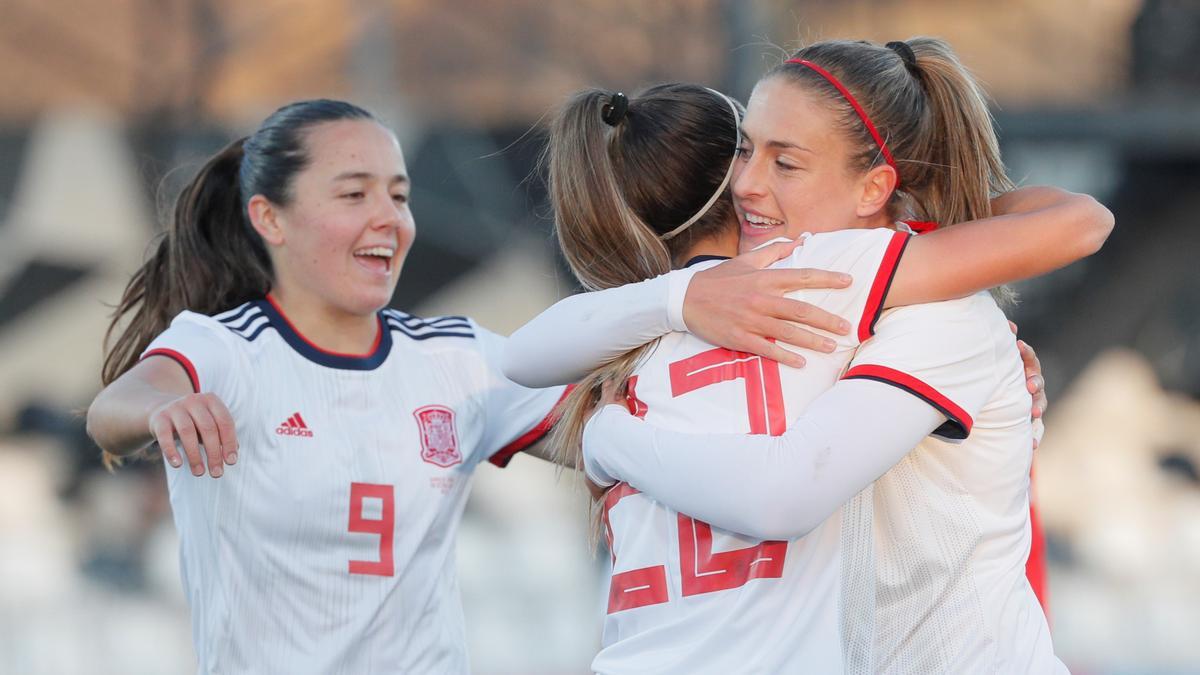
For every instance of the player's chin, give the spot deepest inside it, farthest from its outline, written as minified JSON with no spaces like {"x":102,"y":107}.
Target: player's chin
{"x":749,"y":242}
{"x":372,"y":297}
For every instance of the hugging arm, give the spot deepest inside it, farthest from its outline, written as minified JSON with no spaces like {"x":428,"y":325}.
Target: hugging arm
{"x":1035,"y":230}
{"x":767,"y":487}
{"x":929,"y":370}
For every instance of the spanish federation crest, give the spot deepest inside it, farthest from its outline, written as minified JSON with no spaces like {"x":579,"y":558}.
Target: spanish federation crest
{"x":439,"y":440}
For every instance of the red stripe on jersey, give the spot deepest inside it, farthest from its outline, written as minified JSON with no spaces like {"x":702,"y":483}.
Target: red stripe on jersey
{"x":504,"y":455}
{"x":932,"y":396}
{"x":181,"y":360}
{"x":370,"y":352}
{"x":614,"y":494}
{"x":1035,"y":567}
{"x":618,"y":492}
{"x":300,"y":421}
{"x":637,"y":407}
{"x":879,"y":287}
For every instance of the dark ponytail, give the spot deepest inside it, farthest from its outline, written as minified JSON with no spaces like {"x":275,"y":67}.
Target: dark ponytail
{"x":209,"y":258}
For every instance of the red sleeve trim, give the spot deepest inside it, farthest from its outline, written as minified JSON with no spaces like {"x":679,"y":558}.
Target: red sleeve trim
{"x":879,"y":288}
{"x":181,"y":360}
{"x":504,"y":455}
{"x":959,"y":422}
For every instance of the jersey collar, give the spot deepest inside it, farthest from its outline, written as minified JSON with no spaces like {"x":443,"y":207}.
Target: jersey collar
{"x":704,"y":258}
{"x":369,"y":361}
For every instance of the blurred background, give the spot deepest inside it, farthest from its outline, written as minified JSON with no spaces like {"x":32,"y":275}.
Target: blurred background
{"x":109,"y":105}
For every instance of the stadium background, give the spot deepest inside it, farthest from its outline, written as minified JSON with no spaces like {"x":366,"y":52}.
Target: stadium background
{"x":107,"y":104}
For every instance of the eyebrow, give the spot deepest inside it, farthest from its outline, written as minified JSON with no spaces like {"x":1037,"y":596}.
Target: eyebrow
{"x":778,"y":145}
{"x":365,"y":175}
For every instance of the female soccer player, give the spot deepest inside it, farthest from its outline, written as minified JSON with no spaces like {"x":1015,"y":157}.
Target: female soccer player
{"x":355,"y":428}
{"x":817,"y":161}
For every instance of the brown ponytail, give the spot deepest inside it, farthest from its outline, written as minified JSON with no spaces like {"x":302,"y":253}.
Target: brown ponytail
{"x":932,"y":114}
{"x":618,"y":188}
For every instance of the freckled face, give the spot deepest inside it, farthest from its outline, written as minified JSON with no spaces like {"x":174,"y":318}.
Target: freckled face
{"x":347,"y":228}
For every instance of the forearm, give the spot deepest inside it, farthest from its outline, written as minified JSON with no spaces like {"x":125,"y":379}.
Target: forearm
{"x":766,"y":487}
{"x":580,"y":333}
{"x":1038,"y":230}
{"x":118,"y":419}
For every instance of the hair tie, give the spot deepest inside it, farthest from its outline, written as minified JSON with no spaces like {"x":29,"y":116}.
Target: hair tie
{"x":614,"y":111}
{"x":907,"y":55}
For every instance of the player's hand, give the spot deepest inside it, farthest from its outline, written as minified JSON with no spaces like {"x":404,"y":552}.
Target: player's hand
{"x":740,"y":305}
{"x":203,"y":426}
{"x":611,"y":393}
{"x":1035,"y":383}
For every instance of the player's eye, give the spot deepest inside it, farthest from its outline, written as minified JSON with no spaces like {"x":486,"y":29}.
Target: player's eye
{"x":358,"y":194}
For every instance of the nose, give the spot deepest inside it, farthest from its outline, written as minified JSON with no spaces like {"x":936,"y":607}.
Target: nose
{"x":387,"y":212}
{"x":748,"y":180}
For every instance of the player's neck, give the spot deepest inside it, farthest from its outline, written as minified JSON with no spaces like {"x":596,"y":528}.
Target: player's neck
{"x":327,"y":327}
{"x":724,"y":243}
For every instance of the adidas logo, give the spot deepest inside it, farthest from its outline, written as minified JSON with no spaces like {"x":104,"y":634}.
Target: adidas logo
{"x":294,"y":426}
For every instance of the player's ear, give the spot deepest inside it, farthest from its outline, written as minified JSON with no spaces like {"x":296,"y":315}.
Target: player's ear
{"x":265,"y":218}
{"x":876,"y":188}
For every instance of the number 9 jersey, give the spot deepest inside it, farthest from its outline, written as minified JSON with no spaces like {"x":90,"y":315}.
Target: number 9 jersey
{"x":329,"y":546}
{"x":690,"y":598}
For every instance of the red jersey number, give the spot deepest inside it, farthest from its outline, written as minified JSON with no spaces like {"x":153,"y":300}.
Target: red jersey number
{"x":702,"y":570}
{"x":384,"y":526}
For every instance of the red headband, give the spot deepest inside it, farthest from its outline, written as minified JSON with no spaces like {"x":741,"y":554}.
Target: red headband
{"x":862,"y":114}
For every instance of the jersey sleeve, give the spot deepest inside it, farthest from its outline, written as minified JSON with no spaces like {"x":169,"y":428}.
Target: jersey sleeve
{"x":940,"y":353}
{"x":515,"y":416}
{"x":202,"y":348}
{"x":870,"y":256}
{"x":767,"y":487}
{"x":580,"y":333}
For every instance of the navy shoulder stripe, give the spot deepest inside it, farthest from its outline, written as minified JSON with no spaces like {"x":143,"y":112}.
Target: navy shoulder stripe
{"x":247,"y":323}
{"x":418,"y":328}
{"x":234,"y":314}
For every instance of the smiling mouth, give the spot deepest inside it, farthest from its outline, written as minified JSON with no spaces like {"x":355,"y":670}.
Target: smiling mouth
{"x":376,"y":258}
{"x":756,"y":222}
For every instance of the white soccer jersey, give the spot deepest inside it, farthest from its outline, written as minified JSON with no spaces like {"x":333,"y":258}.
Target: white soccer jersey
{"x":686,"y":597}
{"x":949,"y":525}
{"x":329,"y":546}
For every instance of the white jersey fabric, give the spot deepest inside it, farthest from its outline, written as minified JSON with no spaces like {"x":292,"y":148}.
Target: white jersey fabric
{"x":329,"y":547}
{"x":933,"y":553}
{"x":948,"y":527}
{"x":686,"y":597}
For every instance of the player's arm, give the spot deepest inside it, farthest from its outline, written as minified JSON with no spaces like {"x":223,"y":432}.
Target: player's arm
{"x":768,"y":487}
{"x":584,"y":331}
{"x":1035,"y":230}
{"x":929,"y":369}
{"x":155,"y":401}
